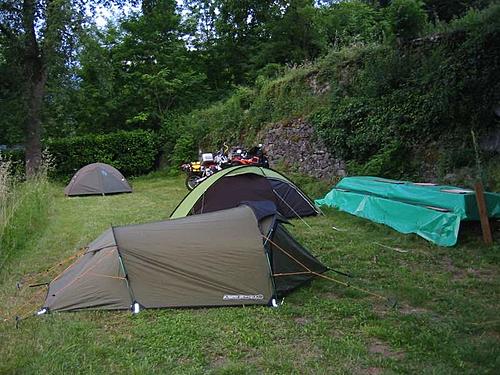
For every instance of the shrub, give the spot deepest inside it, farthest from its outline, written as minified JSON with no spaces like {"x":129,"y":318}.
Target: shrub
{"x":407,"y":18}
{"x":392,"y":160}
{"x":184,"y":150}
{"x":350,"y":22}
{"x":133,"y":153}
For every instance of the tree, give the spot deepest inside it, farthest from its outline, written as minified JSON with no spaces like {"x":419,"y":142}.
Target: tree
{"x":407,"y":18}
{"x":41,"y":32}
{"x":446,"y":10}
{"x":235,"y":39}
{"x":200,"y":26}
{"x":228,"y":36}
{"x":135,"y":74}
{"x":11,"y":106}
{"x":293,"y":35}
{"x":158,"y":72}
{"x":349,"y":22}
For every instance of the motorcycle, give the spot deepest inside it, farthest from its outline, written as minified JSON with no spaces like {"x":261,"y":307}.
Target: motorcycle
{"x":255,"y":156}
{"x":199,"y":171}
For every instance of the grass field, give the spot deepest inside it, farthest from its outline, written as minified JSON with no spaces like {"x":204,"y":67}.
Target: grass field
{"x":446,"y":320}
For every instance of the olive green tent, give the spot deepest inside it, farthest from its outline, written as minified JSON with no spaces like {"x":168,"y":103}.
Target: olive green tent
{"x":229,"y":187}
{"x":239,"y":256}
{"x":97,"y":179}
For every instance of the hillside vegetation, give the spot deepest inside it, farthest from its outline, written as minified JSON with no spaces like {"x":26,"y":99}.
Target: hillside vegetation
{"x":405,"y":110}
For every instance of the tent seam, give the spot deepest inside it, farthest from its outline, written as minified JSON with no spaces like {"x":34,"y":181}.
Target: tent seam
{"x":127,"y":281}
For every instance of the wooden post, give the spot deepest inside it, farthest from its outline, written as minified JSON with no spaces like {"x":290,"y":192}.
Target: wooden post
{"x":483,"y":214}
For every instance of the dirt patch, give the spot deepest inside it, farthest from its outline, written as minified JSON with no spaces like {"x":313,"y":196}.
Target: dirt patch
{"x":456,"y":273}
{"x":411,"y":310}
{"x":484,"y":274}
{"x":337,"y":333}
{"x":305,"y":350}
{"x":115,"y":322}
{"x":302,"y":321}
{"x":381,"y":309}
{"x":356,"y":368}
{"x":218,"y":361}
{"x":335,"y":295}
{"x":380,"y":348}
{"x":372,"y":371}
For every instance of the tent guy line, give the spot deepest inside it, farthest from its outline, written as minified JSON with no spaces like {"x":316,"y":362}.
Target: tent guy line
{"x":322,"y":275}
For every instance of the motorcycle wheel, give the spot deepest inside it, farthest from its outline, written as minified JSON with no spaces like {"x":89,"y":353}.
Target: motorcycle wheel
{"x":192,"y":182}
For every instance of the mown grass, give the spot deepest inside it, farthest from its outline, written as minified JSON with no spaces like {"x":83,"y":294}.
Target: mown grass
{"x":446,"y":320}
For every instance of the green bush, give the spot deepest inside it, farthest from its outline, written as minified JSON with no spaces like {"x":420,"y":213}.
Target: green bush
{"x":349,"y":22}
{"x":407,"y":18}
{"x":133,"y":153}
{"x":184,"y":150}
{"x":393,"y":160}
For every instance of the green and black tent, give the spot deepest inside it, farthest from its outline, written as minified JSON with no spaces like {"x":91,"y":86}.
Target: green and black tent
{"x":239,"y":256}
{"x":229,"y":187}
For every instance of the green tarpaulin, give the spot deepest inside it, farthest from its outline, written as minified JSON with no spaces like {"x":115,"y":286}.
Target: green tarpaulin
{"x":431,"y":211}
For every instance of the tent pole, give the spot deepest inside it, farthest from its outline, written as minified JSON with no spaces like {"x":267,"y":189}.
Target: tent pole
{"x":295,"y":212}
{"x":295,"y":187}
{"x":202,"y":203}
{"x":130,"y":292}
{"x":267,"y":250}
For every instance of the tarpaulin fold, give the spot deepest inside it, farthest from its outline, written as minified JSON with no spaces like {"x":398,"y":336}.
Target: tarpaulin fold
{"x":433,"y":212}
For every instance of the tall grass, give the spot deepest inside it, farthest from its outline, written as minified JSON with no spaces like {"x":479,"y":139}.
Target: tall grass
{"x":24,"y":207}
{"x":6,"y":190}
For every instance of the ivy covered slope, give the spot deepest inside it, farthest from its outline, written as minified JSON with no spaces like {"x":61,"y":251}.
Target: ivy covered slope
{"x":406,"y":108}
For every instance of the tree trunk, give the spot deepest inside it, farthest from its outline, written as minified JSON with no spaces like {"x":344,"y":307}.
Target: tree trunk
{"x":36,"y":76}
{"x":34,"y":122}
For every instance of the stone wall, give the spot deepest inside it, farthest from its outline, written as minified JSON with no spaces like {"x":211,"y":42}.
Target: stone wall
{"x":491,"y":141}
{"x":293,"y":145}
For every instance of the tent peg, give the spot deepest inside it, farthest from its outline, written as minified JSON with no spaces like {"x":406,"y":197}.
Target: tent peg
{"x":136,"y":308}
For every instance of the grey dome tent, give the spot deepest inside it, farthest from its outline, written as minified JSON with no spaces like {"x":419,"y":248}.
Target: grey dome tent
{"x":229,"y":187}
{"x":239,"y":256}
{"x":97,"y":179}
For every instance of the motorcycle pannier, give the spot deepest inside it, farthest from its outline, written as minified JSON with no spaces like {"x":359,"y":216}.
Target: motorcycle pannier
{"x":207,"y":157}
